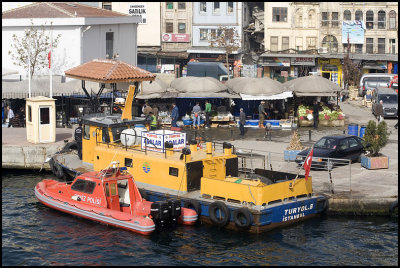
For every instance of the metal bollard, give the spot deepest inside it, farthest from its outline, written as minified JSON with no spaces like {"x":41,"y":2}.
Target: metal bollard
{"x":309,"y":135}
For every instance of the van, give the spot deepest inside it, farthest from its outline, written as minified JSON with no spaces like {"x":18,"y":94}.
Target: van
{"x":381,"y":77}
{"x":390,"y":101}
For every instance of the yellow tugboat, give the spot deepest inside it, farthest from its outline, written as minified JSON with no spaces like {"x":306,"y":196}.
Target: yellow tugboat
{"x":205,"y":179}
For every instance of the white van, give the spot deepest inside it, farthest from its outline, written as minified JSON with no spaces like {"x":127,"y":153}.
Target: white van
{"x":381,"y":77}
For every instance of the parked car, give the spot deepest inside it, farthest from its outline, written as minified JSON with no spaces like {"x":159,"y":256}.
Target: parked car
{"x":383,"y":78}
{"x":394,"y":83}
{"x":390,"y":101}
{"x":336,"y":146}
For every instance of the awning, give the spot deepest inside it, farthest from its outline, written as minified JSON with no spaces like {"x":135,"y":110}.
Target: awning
{"x":280,"y":96}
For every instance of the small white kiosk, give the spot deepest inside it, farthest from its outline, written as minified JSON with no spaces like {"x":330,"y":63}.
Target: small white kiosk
{"x":40,"y":119}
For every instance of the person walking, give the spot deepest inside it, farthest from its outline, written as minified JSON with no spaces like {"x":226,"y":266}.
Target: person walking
{"x":379,"y":111}
{"x":10,"y":116}
{"x":196,"y":113}
{"x":78,"y":139}
{"x":242,"y":121}
{"x":153,"y":123}
{"x":261,"y":114}
{"x":208,"y":112}
{"x":316,"y":114}
{"x":174,"y":115}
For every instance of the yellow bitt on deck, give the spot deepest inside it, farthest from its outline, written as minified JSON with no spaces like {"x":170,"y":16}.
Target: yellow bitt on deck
{"x":240,"y":190}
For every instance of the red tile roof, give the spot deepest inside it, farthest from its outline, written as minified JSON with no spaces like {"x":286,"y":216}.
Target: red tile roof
{"x":58,"y":10}
{"x":109,"y":71}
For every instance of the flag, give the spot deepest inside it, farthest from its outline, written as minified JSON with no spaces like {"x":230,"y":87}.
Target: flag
{"x":49,"y":58}
{"x":307,"y":162}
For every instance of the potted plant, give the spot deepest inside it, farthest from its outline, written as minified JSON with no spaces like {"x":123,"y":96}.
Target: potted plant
{"x":336,"y":119}
{"x":294,"y":148}
{"x":374,"y":139}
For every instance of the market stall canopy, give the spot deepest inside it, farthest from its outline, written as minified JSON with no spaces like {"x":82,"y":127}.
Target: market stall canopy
{"x":109,"y":71}
{"x":312,"y":86}
{"x":7,"y":71}
{"x":41,"y":87}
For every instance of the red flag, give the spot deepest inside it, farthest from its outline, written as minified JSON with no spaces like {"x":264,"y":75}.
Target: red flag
{"x":307,"y":163}
{"x":49,"y":58}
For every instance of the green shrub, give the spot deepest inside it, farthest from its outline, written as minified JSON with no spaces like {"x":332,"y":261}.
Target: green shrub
{"x":375,"y":137}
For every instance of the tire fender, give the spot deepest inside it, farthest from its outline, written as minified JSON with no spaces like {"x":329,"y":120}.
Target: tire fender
{"x":224,"y":212}
{"x":243,"y":214}
{"x":59,"y":171}
{"x":193,"y":204}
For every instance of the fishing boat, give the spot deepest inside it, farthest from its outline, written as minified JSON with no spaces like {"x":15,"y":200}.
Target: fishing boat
{"x":206,"y":179}
{"x":112,"y":197}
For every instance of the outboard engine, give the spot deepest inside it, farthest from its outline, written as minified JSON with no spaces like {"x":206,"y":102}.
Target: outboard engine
{"x":174,"y":207}
{"x":159,"y":212}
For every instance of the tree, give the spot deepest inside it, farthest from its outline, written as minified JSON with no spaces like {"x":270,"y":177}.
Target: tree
{"x":375,"y":138}
{"x":351,"y":71}
{"x":226,"y":38}
{"x":36,"y":43}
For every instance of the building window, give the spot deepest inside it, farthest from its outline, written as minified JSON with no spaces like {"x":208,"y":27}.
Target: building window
{"x":279,"y":14}
{"x":381,"y":19}
{"x":381,"y":45}
{"x":169,"y":5}
{"x":347,"y":15}
{"x":203,"y":34}
{"x":335,"y":19}
{"x":230,"y":8}
{"x":392,"y":46}
{"x":311,"y":19}
{"x":44,"y":115}
{"x":311,"y":42}
{"x":392,"y":19}
{"x":107,"y":5}
{"x":181,"y":27}
{"x":359,"y":15}
{"x":109,"y":44}
{"x":213,"y":34}
{"x":324,"y":19}
{"x":169,"y":27}
{"x":203,"y":7}
{"x":181,"y":5}
{"x":299,"y":18}
{"x":216,"y":8}
{"x":331,"y":43}
{"x":274,"y":43}
{"x":370,"y":19}
{"x":369,"y":46}
{"x":285,"y":42}
{"x":359,"y":48}
{"x":299,"y":43}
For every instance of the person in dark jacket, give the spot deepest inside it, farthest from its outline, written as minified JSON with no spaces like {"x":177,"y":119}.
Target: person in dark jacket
{"x":174,"y":115}
{"x":316,"y":114}
{"x":242,"y":121}
{"x":78,"y":139}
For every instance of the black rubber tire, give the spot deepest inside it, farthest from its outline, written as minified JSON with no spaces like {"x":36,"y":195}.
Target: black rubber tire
{"x":263,"y":179}
{"x":73,"y":145}
{"x":52,"y":167}
{"x":143,"y":194}
{"x":239,"y":215}
{"x":192,"y":204}
{"x":59,"y":171}
{"x":212,"y":211}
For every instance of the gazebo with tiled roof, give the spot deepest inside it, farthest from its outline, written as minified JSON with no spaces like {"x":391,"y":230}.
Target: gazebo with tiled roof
{"x":108,"y":71}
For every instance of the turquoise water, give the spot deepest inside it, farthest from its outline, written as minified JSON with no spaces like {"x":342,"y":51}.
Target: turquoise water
{"x":33,"y":234}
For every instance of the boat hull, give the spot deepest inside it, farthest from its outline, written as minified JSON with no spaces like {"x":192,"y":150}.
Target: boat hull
{"x":140,"y":225}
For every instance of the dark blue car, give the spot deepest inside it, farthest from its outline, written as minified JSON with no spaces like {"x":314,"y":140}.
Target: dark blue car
{"x":336,"y":146}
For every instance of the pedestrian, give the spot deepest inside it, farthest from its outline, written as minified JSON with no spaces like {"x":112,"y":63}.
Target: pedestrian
{"x":153,"y":123}
{"x":208,"y":112}
{"x":174,"y":115}
{"x":10,"y":116}
{"x":242,"y":121}
{"x":316,"y":114}
{"x":196,"y":113}
{"x":261,"y":114}
{"x":78,"y":139}
{"x":147,"y":109}
{"x":379,"y":111}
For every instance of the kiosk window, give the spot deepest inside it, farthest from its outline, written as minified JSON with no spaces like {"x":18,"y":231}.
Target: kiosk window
{"x":45,"y":116}
{"x":29,"y":113}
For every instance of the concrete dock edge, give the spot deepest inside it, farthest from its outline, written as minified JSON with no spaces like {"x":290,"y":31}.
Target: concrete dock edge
{"x":360,"y":206}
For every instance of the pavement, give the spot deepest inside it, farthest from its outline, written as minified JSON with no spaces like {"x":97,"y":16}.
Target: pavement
{"x":350,"y":187}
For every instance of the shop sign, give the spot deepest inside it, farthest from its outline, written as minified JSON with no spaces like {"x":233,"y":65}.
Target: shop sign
{"x":275,"y":61}
{"x":310,"y":61}
{"x":354,"y":31}
{"x":329,"y":61}
{"x":380,"y":65}
{"x":138,"y":10}
{"x":176,"y":38}
{"x":155,"y":140}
